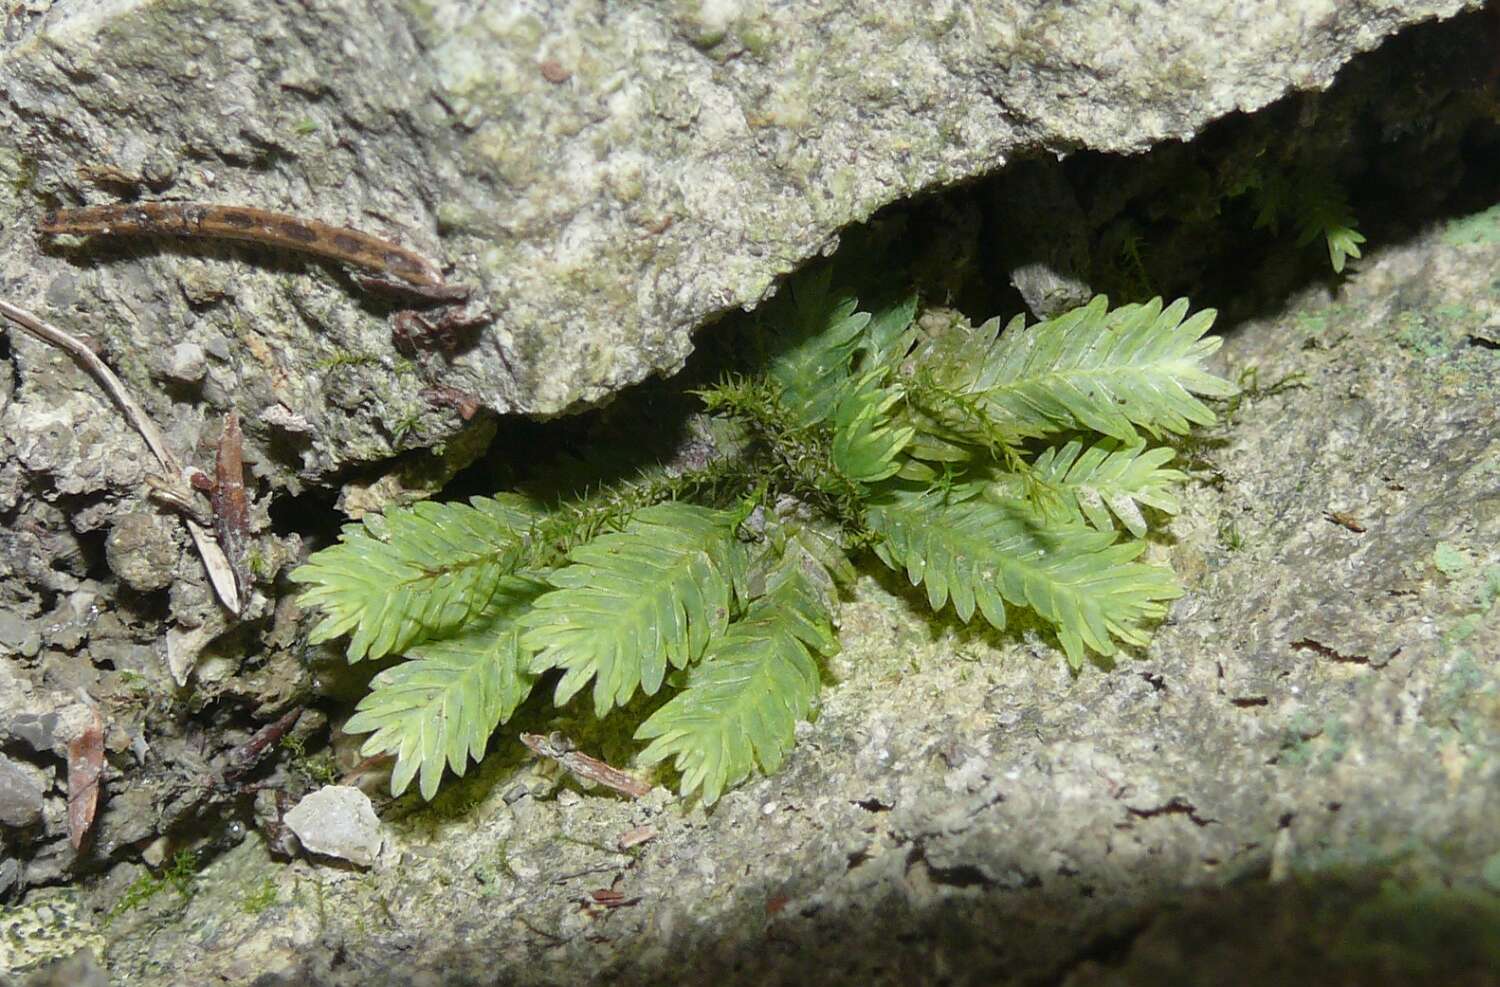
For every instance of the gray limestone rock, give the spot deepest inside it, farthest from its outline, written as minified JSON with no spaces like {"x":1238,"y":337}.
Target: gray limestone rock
{"x":20,"y":795}
{"x":1308,"y":748}
{"x":19,"y":636}
{"x":39,"y":731}
{"x":42,"y":719}
{"x":337,"y":821}
{"x":185,"y":363}
{"x":608,"y":179}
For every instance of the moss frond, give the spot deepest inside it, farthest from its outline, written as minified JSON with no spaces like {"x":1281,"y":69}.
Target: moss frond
{"x":995,"y":469}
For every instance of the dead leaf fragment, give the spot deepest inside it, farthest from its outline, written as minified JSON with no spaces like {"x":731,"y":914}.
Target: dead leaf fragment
{"x":85,"y":765}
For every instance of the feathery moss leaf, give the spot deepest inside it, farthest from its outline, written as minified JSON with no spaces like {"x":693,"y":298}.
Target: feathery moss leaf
{"x":1090,"y":484}
{"x":1109,"y":371}
{"x":441,"y":705}
{"x":890,"y":334}
{"x":741,"y":704}
{"x":1315,"y":202}
{"x":866,"y":443}
{"x":413,"y":573}
{"x":810,"y":332}
{"x":635,"y":600}
{"x":979,"y":553}
{"x":1343,"y":242}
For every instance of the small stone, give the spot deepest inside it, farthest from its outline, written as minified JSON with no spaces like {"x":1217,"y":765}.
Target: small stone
{"x":37,"y":730}
{"x":159,"y":169}
{"x":218,"y":347}
{"x":141,"y":550}
{"x":337,"y":821}
{"x":155,"y":853}
{"x":45,"y":732}
{"x":281,"y":417}
{"x":20,"y":796}
{"x":203,"y":286}
{"x":72,"y":620}
{"x":185,"y":363}
{"x":62,"y":293}
{"x":19,"y":635}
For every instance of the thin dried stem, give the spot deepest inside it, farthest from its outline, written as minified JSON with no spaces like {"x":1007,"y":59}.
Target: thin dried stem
{"x":220,"y":573}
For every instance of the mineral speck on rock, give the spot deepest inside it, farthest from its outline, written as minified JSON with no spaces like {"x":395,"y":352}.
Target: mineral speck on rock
{"x":337,"y":821}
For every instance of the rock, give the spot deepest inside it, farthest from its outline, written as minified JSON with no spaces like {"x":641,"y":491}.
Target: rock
{"x":185,"y":363}
{"x":279,"y":416}
{"x":607,"y":191}
{"x":20,"y":796}
{"x":19,"y":635}
{"x":1046,"y":248}
{"x":55,"y":940}
{"x":184,"y":644}
{"x":39,"y":731}
{"x":612,"y":182}
{"x":337,"y":821}
{"x":155,"y":852}
{"x":966,"y":795}
{"x":69,"y":623}
{"x":141,"y":550}
{"x":42,"y":719}
{"x":80,"y":969}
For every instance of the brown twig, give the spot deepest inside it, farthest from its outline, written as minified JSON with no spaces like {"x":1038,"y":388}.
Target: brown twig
{"x":244,"y":758}
{"x":1345,"y":521}
{"x":635,"y":837}
{"x":231,"y":511}
{"x":388,"y":261}
{"x":383,"y":267}
{"x":219,"y":571}
{"x":561,"y":749}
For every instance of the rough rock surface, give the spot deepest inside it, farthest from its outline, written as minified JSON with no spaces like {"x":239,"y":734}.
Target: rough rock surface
{"x":610,"y":178}
{"x":1310,"y":748}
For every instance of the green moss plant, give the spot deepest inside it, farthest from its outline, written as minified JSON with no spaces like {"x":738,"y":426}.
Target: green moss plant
{"x":994,"y":468}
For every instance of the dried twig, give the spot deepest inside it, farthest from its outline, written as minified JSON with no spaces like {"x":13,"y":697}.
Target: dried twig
{"x":384,"y":267}
{"x":231,"y":507}
{"x":394,"y":266}
{"x":635,"y":837}
{"x":220,"y":573}
{"x":244,"y":758}
{"x":561,"y":750}
{"x":608,"y":898}
{"x":1345,"y":520}
{"x":466,"y":404}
